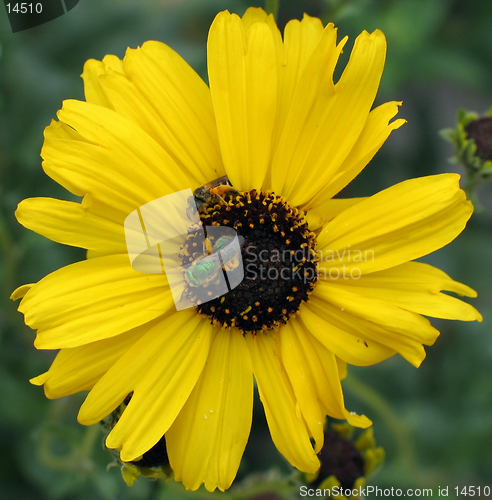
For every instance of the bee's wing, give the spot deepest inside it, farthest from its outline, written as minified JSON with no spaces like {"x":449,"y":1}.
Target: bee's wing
{"x":231,"y":249}
{"x":213,"y":259}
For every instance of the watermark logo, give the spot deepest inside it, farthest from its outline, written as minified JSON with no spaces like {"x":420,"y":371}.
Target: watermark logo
{"x":202,"y":263}
{"x":156,"y":234}
{"x":26,"y":15}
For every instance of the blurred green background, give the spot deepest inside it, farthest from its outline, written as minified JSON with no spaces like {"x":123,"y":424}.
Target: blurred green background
{"x":435,"y":422}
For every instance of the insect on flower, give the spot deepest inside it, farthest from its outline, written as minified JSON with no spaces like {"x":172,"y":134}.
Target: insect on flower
{"x":203,"y":194}
{"x":204,"y":270}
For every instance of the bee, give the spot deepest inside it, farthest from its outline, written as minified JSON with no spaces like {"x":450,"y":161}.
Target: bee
{"x":203,"y":194}
{"x":204,"y":270}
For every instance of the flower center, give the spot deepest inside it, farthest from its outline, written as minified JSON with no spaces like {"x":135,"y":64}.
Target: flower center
{"x":278,"y":257}
{"x":481,"y":131}
{"x":340,"y":458}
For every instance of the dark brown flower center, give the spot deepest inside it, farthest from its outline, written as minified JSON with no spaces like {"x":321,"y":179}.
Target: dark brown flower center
{"x":278,"y":257}
{"x":340,"y":458}
{"x":481,"y":132}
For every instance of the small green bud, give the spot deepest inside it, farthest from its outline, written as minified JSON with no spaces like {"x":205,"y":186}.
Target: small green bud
{"x":346,"y":463}
{"x":152,"y":464}
{"x":472,"y":140}
{"x":481,"y":132}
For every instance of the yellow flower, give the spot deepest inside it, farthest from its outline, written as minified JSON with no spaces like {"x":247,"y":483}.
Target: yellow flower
{"x":272,"y":121}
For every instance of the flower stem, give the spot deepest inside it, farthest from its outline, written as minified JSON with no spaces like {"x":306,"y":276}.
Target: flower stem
{"x":333,"y":9}
{"x":401,"y":434}
{"x":79,"y":458}
{"x":271,"y":7}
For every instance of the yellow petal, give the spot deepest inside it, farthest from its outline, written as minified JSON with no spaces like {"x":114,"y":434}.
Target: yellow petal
{"x":313,"y":91}
{"x":93,"y":300}
{"x":326,"y":375}
{"x":375,"y":132}
{"x":93,"y":69}
{"x":169,"y":101}
{"x":292,"y":54}
{"x":340,"y":334}
{"x":416,"y":287}
{"x":300,"y":375}
{"x":313,"y":373}
{"x":324,"y":134}
{"x":114,"y":160}
{"x":328,"y":210}
{"x":206,"y":441}
{"x":92,"y":254}
{"x":79,"y":368}
{"x":254,"y":15}
{"x":242,"y":69}
{"x":300,"y":40}
{"x":400,"y":330}
{"x":342,"y":368}
{"x":399,"y":224}
{"x":69,"y":223}
{"x":288,"y":429}
{"x":161,"y":370}
{"x":20,"y":292}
